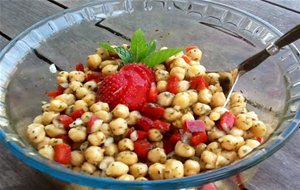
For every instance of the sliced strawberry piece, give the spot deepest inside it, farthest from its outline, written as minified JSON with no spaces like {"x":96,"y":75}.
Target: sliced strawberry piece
{"x":93,"y":75}
{"x":145,"y":123}
{"x":62,"y":153}
{"x":141,"y":69}
{"x":57,"y":92}
{"x":141,"y":148}
{"x":153,"y":111}
{"x":198,"y":83}
{"x":65,"y":138}
{"x":162,"y":126}
{"x":76,"y":114}
{"x":153,"y":93}
{"x":188,"y":48}
{"x":172,"y":84}
{"x":186,"y":59}
{"x":65,"y":120}
{"x":79,"y":67}
{"x":226,"y":121}
{"x":142,"y":134}
{"x":199,"y":137}
{"x":194,"y":126}
{"x":91,"y":123}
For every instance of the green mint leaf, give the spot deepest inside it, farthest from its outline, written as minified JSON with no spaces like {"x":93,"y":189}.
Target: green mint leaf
{"x":160,"y":56}
{"x":107,"y":47}
{"x":138,"y":46}
{"x":151,"y":45}
{"x":124,"y":54}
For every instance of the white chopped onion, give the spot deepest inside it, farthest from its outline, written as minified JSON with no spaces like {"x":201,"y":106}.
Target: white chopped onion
{"x":134,"y":136}
{"x":64,"y":85}
{"x":75,"y":123}
{"x":52,"y":68}
{"x":108,"y":141}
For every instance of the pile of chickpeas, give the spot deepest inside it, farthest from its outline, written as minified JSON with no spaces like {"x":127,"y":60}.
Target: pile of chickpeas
{"x":106,"y":152}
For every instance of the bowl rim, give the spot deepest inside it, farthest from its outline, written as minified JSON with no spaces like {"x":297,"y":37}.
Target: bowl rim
{"x":56,"y":170}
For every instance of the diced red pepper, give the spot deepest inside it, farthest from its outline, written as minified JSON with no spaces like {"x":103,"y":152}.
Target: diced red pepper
{"x":194,"y":126}
{"x":96,"y":76}
{"x":65,"y":138}
{"x":142,"y":134}
{"x":198,"y":83}
{"x":153,"y":92}
{"x":57,"y":92}
{"x":226,"y":121}
{"x":153,"y":111}
{"x":65,"y":120}
{"x":90,"y":123}
{"x":79,"y":67}
{"x":197,"y":138}
{"x":142,"y":147}
{"x":76,"y":114}
{"x":186,"y":59}
{"x":172,"y":84}
{"x":145,"y":123}
{"x":260,"y":139}
{"x":161,"y":125}
{"x":62,"y":153}
{"x":188,"y":48}
{"x":170,"y":142}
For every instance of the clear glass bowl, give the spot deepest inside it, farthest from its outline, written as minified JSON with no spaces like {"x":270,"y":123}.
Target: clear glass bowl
{"x":225,"y":34}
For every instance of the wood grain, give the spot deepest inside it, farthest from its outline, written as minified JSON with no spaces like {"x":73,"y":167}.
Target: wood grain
{"x":3,"y":42}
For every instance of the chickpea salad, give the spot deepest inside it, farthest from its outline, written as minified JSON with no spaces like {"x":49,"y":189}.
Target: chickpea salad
{"x":135,"y":113}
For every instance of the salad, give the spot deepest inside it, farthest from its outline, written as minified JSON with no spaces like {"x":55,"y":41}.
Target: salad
{"x":135,"y":113}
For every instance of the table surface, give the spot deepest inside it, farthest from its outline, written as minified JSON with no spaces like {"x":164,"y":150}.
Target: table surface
{"x":281,"y":171}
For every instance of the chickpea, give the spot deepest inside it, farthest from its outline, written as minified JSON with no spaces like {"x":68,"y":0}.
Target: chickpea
{"x":126,"y":177}
{"x":43,"y":143}
{"x":252,"y":143}
{"x":237,"y":110}
{"x":103,"y":53}
{"x":90,"y":85}
{"x":86,"y":116}
{"x":96,"y":138}
{"x":159,"y":67}
{"x":53,"y":131}
{"x":240,"y":141}
{"x":105,"y":129}
{"x":110,"y":69}
{"x":165,"y":98}
{"x":36,"y":132}
{"x":221,"y":161}
{"x":187,"y":116}
{"x":138,"y":169}
{"x":229,"y":155}
{"x":179,"y":62}
{"x":74,"y":85}
{"x":228,"y":142}
{"x":214,"y":116}
{"x":171,"y":114}
{"x":243,"y":122}
{"x":191,"y":167}
{"x":127,"y":157}
{"x":98,"y":106}
{"x":111,"y":150}
{"x":97,"y":125}
{"x":47,"y":151}
{"x":90,"y":99}
{"x":108,"y":62}
{"x":218,"y":99}
{"x":181,"y":100}
{"x":156,"y":171}
{"x":201,"y":109}
{"x":195,"y":70}
{"x":161,"y":86}
{"x":258,"y":129}
{"x":214,"y":147}
{"x":157,"y":155}
{"x":104,"y":115}
{"x":248,"y":135}
{"x":76,"y":76}
{"x":77,"y":158}
{"x":141,"y":179}
{"x":177,"y":123}
{"x":76,"y":169}
{"x":88,"y":168}
{"x":121,"y":111}
{"x":195,"y":54}
{"x":77,"y":134}
{"x":183,"y":86}
{"x":236,"y":132}
{"x":178,"y":72}
{"x":46,"y":107}
{"x":62,"y":77}
{"x":173,"y":169}
{"x":118,"y":126}
{"x":55,"y":141}
{"x":184,"y":150}
{"x":38,"y":119}
{"x":193,"y":95}
{"x":155,"y":135}
{"x":215,"y":133}
{"x":116,"y":169}
{"x":47,"y":117}
{"x":199,"y":149}
{"x":126,"y":144}
{"x":105,"y":162}
{"x":57,"y":105}
{"x":212,"y":78}
{"x":81,"y":92}
{"x":209,"y":157}
{"x":133,"y":117}
{"x":161,"y":75}
{"x":236,"y":97}
{"x":80,"y":104}
{"x":94,"y":61}
{"x":244,"y":150}
{"x":94,"y":154}
{"x":205,"y":96}
{"x":209,"y":124}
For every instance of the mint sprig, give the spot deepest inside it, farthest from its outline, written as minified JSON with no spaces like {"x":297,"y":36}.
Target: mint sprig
{"x":142,"y":51}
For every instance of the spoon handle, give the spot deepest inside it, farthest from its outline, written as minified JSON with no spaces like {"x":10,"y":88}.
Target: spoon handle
{"x":255,"y":60}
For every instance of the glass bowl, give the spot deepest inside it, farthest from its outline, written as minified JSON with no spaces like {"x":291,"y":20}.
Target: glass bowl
{"x":225,"y":34}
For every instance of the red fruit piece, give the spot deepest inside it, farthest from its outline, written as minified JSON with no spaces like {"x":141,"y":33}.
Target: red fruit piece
{"x":153,"y":93}
{"x":62,"y":153}
{"x":79,"y":67}
{"x":186,"y":59}
{"x":153,"y":111}
{"x":57,"y":92}
{"x":199,"y":137}
{"x":140,"y":68}
{"x":161,"y":125}
{"x":194,"y":126}
{"x":96,"y":76}
{"x":170,"y":142}
{"x":65,"y":120}
{"x":145,"y":123}
{"x":141,"y":134}
{"x":226,"y":121}
{"x":172,"y":84}
{"x":198,"y":83}
{"x":76,"y":114}
{"x":141,"y":148}
{"x":91,"y":123}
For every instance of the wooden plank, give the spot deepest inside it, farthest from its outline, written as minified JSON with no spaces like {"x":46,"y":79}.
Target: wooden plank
{"x":3,"y":42}
{"x":73,"y":3}
{"x":292,"y":5}
{"x":17,"y":15}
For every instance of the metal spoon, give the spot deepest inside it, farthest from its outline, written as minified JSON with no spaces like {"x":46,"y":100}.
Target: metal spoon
{"x":228,"y":79}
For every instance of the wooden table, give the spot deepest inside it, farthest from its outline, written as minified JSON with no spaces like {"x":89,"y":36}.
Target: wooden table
{"x":280,"y":172}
